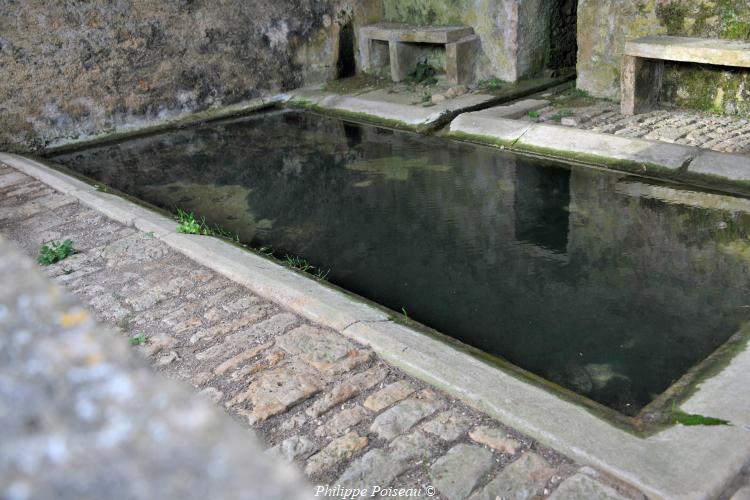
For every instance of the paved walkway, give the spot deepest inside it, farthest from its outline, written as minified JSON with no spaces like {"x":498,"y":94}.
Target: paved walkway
{"x":344,"y":416}
{"x":728,"y":134}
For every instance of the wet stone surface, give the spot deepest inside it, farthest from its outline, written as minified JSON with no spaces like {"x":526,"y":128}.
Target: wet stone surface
{"x":315,"y":398}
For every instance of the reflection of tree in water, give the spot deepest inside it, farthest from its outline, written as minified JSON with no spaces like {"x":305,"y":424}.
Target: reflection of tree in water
{"x":607,"y":294}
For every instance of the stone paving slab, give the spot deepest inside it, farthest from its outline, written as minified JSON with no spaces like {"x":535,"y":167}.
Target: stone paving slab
{"x":272,"y":369}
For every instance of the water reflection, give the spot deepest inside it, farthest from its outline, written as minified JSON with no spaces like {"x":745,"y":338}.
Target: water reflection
{"x":575,"y":275}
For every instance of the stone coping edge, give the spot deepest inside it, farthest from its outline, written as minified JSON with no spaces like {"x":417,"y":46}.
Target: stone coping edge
{"x":210,"y":114}
{"x":678,"y":462}
{"x":686,"y":164}
{"x":408,"y":117}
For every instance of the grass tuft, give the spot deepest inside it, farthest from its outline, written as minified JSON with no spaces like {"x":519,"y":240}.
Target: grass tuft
{"x":300,"y":264}
{"x":188,"y":224}
{"x":492,"y":83}
{"x":55,"y":252}
{"x":138,"y":339}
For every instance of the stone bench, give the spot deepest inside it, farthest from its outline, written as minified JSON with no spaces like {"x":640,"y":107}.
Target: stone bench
{"x":643,"y":64}
{"x":403,"y":49}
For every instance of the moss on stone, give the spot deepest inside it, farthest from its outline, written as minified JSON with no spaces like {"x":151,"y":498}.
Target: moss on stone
{"x":737,"y":30}
{"x":672,"y":15}
{"x":599,"y":50}
{"x":714,"y":89}
{"x":429,"y":12}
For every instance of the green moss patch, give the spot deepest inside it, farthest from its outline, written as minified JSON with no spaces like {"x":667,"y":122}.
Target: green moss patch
{"x":357,"y":84}
{"x":680,"y":417}
{"x":672,"y":15}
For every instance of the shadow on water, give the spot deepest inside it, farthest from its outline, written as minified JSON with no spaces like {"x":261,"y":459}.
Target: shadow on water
{"x":606,"y":285}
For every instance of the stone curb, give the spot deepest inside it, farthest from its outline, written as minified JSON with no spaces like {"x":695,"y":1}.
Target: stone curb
{"x":729,"y":172}
{"x":678,"y":462}
{"x":397,"y":115}
{"x":581,"y":145}
{"x":711,"y":166}
{"x":229,"y":111}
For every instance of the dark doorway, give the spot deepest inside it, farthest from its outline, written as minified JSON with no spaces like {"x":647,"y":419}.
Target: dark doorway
{"x":563,"y":44}
{"x":346,"y":66}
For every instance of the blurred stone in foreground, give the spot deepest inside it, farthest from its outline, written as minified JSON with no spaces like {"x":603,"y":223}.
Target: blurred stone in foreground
{"x":83,"y":417}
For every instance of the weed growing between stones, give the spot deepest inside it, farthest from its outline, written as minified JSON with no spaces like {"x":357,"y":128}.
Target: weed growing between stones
{"x":557,"y":117}
{"x":491,"y":84}
{"x":301,"y":264}
{"x":55,"y":252}
{"x":425,"y":73}
{"x":188,"y":224}
{"x":138,"y":339}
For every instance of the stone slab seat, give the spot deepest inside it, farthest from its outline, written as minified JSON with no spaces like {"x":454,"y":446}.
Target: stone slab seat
{"x":403,"y":50}
{"x":643,"y":64}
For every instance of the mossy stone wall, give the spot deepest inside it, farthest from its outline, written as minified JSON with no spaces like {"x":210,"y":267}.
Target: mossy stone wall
{"x":605,"y":25}
{"x":72,"y":69}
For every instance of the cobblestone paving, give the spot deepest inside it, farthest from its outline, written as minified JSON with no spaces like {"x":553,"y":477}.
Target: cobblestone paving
{"x":316,"y":398}
{"x":720,"y":133}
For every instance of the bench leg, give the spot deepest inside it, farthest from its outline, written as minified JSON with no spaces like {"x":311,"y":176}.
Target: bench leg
{"x":373,"y":55}
{"x":459,"y":60}
{"x":404,"y":58}
{"x":365,"y":54}
{"x":640,"y":84}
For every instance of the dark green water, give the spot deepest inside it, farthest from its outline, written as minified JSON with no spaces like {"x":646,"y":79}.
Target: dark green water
{"x":602,"y":283}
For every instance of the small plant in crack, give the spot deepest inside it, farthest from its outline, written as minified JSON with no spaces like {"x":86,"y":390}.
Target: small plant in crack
{"x":55,"y":252}
{"x":188,"y":224}
{"x":139,"y":338}
{"x":300,"y":264}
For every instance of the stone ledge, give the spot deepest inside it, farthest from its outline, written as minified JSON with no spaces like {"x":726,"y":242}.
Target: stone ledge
{"x":135,"y":130}
{"x":485,"y":128}
{"x":417,"y":34}
{"x":713,"y":166}
{"x":633,"y":155}
{"x":369,"y":107}
{"x":697,"y":50}
{"x":670,"y":464}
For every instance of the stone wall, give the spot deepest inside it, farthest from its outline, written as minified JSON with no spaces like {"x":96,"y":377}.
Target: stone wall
{"x":72,"y":69}
{"x":514,"y":34}
{"x":605,"y":25}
